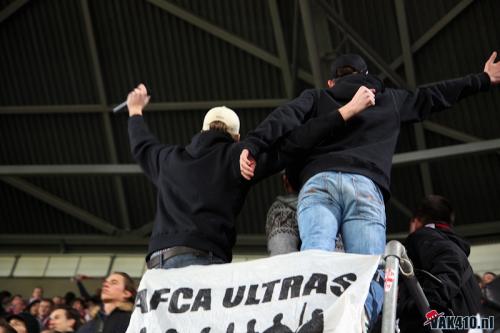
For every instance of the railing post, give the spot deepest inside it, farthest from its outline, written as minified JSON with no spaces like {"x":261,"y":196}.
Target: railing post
{"x":393,"y":253}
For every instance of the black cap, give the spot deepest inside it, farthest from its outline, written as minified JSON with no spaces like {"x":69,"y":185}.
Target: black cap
{"x":353,"y":60}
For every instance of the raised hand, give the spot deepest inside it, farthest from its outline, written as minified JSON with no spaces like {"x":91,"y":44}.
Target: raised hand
{"x":137,"y":99}
{"x":492,"y":68}
{"x":363,"y":98}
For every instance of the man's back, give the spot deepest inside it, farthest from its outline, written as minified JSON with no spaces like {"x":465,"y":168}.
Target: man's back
{"x":199,"y":187}
{"x":444,"y":254}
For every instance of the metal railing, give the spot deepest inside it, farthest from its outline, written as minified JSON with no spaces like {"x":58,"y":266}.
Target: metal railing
{"x":396,"y":261}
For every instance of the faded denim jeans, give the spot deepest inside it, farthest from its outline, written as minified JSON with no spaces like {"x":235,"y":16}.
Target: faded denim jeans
{"x":333,"y":202}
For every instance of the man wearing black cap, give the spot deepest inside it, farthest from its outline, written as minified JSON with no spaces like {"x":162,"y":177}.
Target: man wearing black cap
{"x":345,"y":180}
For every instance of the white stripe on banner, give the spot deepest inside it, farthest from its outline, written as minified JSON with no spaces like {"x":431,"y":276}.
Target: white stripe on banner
{"x":310,"y":291}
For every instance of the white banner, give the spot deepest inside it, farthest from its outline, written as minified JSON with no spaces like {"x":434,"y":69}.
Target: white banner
{"x":311,"y":291}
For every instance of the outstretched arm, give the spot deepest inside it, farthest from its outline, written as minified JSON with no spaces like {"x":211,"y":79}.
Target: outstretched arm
{"x":146,"y":149}
{"x":280,"y":122}
{"x":418,"y":105}
{"x":304,"y":138}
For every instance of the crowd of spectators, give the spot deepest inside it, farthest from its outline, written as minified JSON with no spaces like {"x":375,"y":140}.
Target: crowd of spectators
{"x":107,"y":311}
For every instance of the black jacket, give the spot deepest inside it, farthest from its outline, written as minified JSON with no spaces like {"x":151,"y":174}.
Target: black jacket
{"x":116,"y":322}
{"x":200,"y":189}
{"x":443,"y":254}
{"x":367,"y":143}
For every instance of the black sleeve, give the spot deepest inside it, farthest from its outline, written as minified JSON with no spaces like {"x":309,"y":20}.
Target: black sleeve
{"x":146,"y":149}
{"x":297,"y":143}
{"x":440,"y":258}
{"x":280,"y":122}
{"x":418,"y":105}
{"x":83,"y":291}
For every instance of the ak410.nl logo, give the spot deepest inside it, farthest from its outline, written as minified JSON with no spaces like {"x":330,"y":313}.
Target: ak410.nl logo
{"x":437,"y":320}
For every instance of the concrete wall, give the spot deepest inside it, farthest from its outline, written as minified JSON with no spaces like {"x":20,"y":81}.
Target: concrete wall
{"x":51,"y":286}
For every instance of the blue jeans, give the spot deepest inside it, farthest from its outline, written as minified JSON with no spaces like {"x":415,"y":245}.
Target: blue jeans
{"x":188,"y":259}
{"x":332,"y":202}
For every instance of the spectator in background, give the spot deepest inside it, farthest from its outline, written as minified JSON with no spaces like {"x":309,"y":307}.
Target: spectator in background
{"x":282,"y":230}
{"x":84,"y":294}
{"x":79,"y":305}
{"x":118,"y":295}
{"x":64,"y":319}
{"x":44,"y":310}
{"x":57,"y":300}
{"x":32,"y":308}
{"x":37,"y":294}
{"x":5,"y":327}
{"x":4,"y":303}
{"x":432,"y":246}
{"x":69,"y":297}
{"x":478,"y":280}
{"x":17,"y":304}
{"x":24,"y":323}
{"x":487,"y":278}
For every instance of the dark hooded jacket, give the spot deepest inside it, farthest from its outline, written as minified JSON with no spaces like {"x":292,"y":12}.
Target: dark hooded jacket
{"x":442,"y":253}
{"x":200,"y":188}
{"x":367,"y":143}
{"x":115,"y":322}
{"x":32,"y":325}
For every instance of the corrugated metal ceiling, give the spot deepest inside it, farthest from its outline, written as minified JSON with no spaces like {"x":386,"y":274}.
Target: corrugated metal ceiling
{"x":46,"y":60}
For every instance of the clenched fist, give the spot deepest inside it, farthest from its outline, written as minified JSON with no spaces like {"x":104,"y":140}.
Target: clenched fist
{"x":137,"y":99}
{"x":363,"y":99}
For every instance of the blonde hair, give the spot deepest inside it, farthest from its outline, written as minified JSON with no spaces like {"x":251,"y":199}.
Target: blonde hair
{"x":220,"y":126}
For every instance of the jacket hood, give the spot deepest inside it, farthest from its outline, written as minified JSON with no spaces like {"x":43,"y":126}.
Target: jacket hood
{"x":203,"y":142}
{"x":125,"y":306}
{"x":463,"y":244}
{"x":347,"y":86}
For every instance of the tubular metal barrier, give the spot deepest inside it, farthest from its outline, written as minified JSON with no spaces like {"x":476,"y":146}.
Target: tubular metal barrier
{"x":396,"y":260}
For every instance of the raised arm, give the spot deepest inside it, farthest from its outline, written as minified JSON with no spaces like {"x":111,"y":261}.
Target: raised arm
{"x":418,"y":105}
{"x":299,"y":141}
{"x":280,"y":122}
{"x":146,"y":149}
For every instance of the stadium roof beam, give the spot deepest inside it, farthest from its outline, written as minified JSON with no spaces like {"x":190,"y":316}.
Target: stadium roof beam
{"x":168,"y":106}
{"x":473,"y":230}
{"x":225,"y":35}
{"x":127,"y":243}
{"x":401,"y":207}
{"x":108,"y":130}
{"x":318,"y":39}
{"x":408,"y":158}
{"x":433,"y":31}
{"x":361,"y":44}
{"x":280,"y":45}
{"x":62,"y":205}
{"x":404,"y":36}
{"x":435,"y":154}
{"x":13,"y":7}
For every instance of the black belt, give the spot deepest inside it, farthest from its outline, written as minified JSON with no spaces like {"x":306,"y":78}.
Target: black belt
{"x":164,"y":255}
